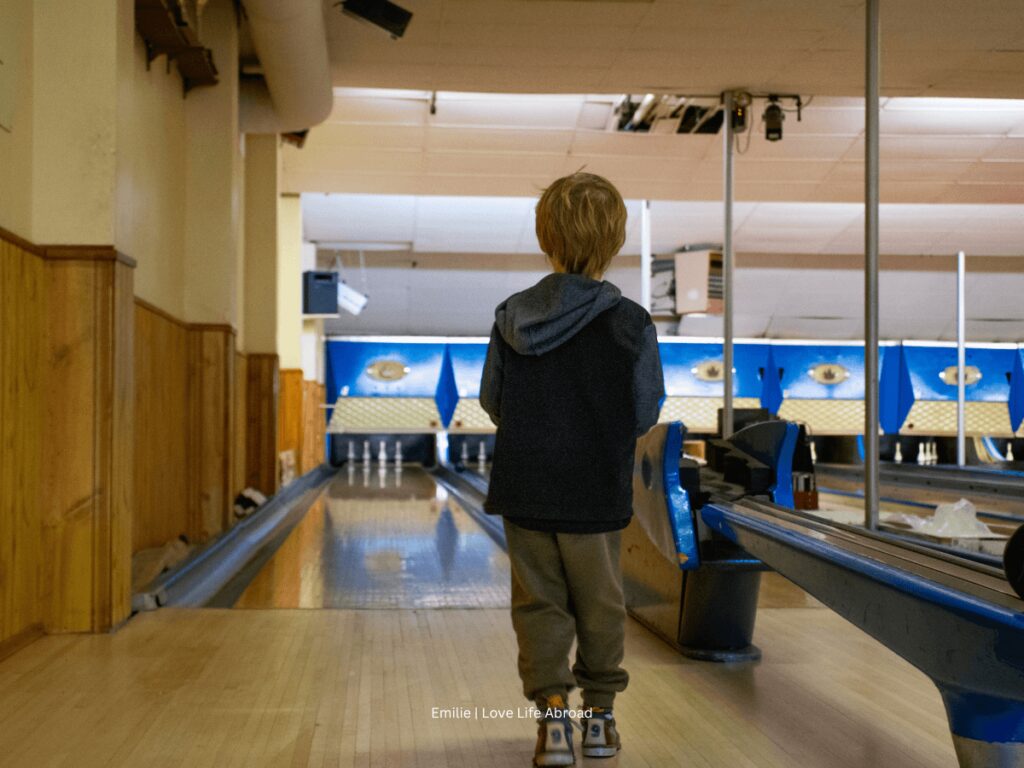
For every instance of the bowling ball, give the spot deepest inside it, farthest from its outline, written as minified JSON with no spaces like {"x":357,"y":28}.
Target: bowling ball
{"x":1013,"y":561}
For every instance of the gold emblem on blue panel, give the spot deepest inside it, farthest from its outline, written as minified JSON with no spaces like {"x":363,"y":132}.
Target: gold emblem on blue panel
{"x":387,"y":370}
{"x":971,"y":375}
{"x":829,"y":374}
{"x":709,"y":370}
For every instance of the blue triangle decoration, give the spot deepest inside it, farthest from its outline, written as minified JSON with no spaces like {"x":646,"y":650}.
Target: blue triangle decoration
{"x":1016,"y":401}
{"x":895,"y":390}
{"x":771,"y":385}
{"x":447,"y":395}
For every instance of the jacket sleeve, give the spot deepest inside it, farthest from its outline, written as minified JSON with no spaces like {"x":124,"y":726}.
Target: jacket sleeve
{"x":491,"y":383}
{"x":648,"y":380}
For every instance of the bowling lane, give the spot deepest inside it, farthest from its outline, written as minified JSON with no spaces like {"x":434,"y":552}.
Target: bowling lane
{"x":387,"y":540}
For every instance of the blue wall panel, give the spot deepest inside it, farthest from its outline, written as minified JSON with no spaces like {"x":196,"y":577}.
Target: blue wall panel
{"x":348,"y":362}
{"x":926,"y":363}
{"x":468,"y":364}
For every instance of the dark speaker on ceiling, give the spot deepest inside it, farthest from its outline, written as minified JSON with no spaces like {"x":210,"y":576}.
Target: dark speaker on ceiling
{"x":392,"y":18}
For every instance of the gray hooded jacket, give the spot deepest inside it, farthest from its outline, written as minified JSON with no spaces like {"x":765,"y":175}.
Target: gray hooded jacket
{"x":550,"y":313}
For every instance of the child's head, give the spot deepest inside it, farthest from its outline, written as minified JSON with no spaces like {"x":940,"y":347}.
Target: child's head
{"x":581,"y":224}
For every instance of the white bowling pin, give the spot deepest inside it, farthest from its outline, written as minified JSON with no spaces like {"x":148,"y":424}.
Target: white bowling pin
{"x":934,"y":455}
{"x":1009,"y":451}
{"x":465,"y":453}
{"x":921,"y":457}
{"x":898,"y":455}
{"x":382,"y":454}
{"x":481,"y":455}
{"x":366,"y":452}
{"x":814,"y":453}
{"x":398,"y":455}
{"x":351,"y":451}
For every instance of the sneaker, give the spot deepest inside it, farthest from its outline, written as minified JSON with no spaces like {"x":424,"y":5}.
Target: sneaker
{"x":600,"y":736}
{"x":554,"y":734}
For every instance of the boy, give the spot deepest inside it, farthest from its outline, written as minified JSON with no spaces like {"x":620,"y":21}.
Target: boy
{"x":572,"y":378}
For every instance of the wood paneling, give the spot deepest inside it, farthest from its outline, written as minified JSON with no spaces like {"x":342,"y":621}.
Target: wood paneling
{"x":289,"y":412}
{"x":314,"y":426}
{"x":185,"y":405}
{"x":261,"y":422}
{"x":301,"y":425}
{"x":22,"y":337}
{"x":162,"y":402}
{"x":240,"y":429}
{"x":86,"y":519}
{"x":212,"y":376}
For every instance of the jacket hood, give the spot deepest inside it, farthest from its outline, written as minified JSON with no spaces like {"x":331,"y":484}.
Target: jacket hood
{"x":550,"y":313}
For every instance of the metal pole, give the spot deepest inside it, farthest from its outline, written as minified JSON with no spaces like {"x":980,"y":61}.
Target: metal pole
{"x":727,"y":269}
{"x":645,"y":254}
{"x":871,"y":269}
{"x":961,"y":360}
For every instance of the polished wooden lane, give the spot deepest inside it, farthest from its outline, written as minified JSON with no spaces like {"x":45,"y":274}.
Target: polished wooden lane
{"x":357,"y":687}
{"x":383,"y":539}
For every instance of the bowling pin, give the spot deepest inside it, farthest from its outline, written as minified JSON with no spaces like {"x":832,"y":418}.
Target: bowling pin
{"x":465,"y":453}
{"x":351,"y":451}
{"x":1009,"y":451}
{"x":814,"y":453}
{"x":481,"y":456}
{"x":921,"y":458}
{"x":382,"y":454}
{"x":398,"y":455}
{"x":898,"y":455}
{"x":366,"y":452}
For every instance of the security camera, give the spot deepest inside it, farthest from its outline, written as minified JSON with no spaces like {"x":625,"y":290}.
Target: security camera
{"x":773,"y":118}
{"x":351,"y":300}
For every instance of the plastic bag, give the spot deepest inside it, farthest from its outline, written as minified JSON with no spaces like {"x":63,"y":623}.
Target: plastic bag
{"x":951,"y":521}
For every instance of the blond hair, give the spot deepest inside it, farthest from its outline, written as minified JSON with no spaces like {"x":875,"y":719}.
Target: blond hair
{"x":581,"y":223}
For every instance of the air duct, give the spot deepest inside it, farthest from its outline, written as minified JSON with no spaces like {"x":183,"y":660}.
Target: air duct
{"x":291,"y":42}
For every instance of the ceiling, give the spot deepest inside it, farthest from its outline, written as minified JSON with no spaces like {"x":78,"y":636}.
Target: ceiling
{"x":929,"y":47}
{"x":434,"y":224}
{"x":932,"y":150}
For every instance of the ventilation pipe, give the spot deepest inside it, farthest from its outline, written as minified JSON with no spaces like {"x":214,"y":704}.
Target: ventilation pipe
{"x":291,"y":42}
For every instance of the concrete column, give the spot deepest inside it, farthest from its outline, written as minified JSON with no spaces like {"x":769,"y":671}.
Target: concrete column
{"x":212,"y":179}
{"x":262,"y":174}
{"x":289,"y":282}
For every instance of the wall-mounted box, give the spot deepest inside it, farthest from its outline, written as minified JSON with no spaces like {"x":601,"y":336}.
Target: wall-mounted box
{"x":320,"y":293}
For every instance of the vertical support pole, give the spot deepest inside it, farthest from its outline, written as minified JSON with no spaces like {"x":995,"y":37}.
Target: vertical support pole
{"x":871,"y":267}
{"x":727,"y":267}
{"x":645,"y":254}
{"x":961,"y":361}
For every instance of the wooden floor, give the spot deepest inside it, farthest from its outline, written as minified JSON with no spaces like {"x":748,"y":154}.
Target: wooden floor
{"x":356,"y":687}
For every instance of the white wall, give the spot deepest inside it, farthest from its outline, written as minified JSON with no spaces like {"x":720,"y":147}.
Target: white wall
{"x":774,"y":302}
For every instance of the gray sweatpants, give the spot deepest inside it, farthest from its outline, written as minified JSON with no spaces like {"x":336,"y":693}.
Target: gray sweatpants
{"x":568,"y":586}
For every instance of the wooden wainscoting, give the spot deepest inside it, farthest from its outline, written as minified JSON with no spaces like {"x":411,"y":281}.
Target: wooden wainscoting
{"x":261,"y":396}
{"x":301,"y":423}
{"x":185,"y":403}
{"x":162,"y":412}
{"x":289,"y":415}
{"x":314,"y":426}
{"x":238,"y":465}
{"x":213,"y":379}
{"x":87,"y":498}
{"x":22,"y":440}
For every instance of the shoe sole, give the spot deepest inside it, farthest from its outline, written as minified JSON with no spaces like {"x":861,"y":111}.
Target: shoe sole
{"x":544,"y":761}
{"x":600,"y":751}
